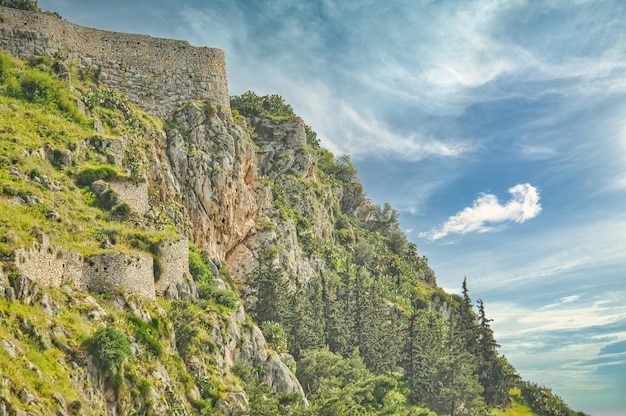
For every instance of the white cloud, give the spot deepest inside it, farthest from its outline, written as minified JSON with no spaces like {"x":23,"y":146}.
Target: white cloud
{"x":570,"y":299}
{"x":523,"y":205}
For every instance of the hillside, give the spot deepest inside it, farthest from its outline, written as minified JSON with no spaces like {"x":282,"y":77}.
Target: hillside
{"x":167,"y":252}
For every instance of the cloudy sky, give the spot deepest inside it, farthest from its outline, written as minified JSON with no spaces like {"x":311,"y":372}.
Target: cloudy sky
{"x":497,"y":128}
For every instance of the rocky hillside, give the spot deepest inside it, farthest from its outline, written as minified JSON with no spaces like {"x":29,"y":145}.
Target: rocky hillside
{"x":214,"y":262}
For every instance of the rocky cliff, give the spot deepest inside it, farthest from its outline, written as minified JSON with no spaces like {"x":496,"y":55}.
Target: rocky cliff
{"x":164,"y":254}
{"x":194,"y":179}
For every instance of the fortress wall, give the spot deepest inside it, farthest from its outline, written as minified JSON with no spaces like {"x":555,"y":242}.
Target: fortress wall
{"x":174,"y":258}
{"x":157,"y":74}
{"x":48,"y":265}
{"x":135,"y":195}
{"x":134,"y":273}
{"x":52,"y":266}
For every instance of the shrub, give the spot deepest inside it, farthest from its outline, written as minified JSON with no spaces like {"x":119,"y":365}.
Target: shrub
{"x":185,"y":325}
{"x":30,"y":5}
{"x":90,"y":175}
{"x":272,"y":106}
{"x":121,"y":211}
{"x":147,"y":334}
{"x":226,"y":298}
{"x":274,"y":334}
{"x":110,"y":348}
{"x":197,"y":267}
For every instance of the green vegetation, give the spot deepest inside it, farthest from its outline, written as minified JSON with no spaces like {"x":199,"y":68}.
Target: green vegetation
{"x":251,"y":105}
{"x":360,"y":311}
{"x":30,"y":5}
{"x":373,"y":308}
{"x":39,"y":117}
{"x":110,"y":348}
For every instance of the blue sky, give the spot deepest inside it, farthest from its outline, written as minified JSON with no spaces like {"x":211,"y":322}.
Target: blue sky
{"x":497,"y":128}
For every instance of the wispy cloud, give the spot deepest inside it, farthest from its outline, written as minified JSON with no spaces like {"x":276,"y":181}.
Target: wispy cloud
{"x":487,"y":212}
{"x":559,"y":336}
{"x":570,"y":299}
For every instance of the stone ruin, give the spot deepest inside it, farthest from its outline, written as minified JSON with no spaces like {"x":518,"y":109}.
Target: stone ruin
{"x":134,"y":273}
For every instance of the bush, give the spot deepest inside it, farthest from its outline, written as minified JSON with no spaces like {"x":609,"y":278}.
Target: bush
{"x":148,"y":335}
{"x":272,"y":106}
{"x":110,"y":348}
{"x":226,"y":298}
{"x":30,"y":5}
{"x":197,"y":267}
{"x":185,"y":325}
{"x":90,"y":175}
{"x":121,"y":211}
{"x":274,"y":334}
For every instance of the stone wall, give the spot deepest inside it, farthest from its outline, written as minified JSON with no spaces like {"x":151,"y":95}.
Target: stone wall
{"x":134,"y":194}
{"x":157,"y":74}
{"x":174,"y":257}
{"x":51,"y":266}
{"x":133,"y":273}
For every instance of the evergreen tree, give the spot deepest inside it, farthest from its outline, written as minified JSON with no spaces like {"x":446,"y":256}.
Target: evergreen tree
{"x":336,"y":331}
{"x":488,"y":357}
{"x":466,"y":328}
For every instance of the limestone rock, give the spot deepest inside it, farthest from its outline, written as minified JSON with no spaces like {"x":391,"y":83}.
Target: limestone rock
{"x":9,"y":348}
{"x":282,"y":147}
{"x":25,"y":289}
{"x":53,"y":216}
{"x":280,"y":378}
{"x":233,"y":404}
{"x":213,"y":165}
{"x":26,"y":397}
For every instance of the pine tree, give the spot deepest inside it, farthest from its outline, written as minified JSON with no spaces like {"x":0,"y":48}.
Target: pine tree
{"x":488,"y":357}
{"x":466,"y":328}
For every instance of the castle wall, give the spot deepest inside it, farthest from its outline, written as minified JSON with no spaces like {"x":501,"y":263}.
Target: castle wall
{"x":157,"y":74}
{"x":132,"y":272}
{"x":51,"y":266}
{"x":134,"y":194}
{"x":174,"y":258}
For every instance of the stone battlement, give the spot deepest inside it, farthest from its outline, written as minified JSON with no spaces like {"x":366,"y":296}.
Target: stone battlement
{"x":53,"y":266}
{"x":157,"y":74}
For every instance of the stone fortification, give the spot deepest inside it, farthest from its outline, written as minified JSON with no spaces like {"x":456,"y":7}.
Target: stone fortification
{"x":53,"y":266}
{"x":134,"y":194}
{"x":157,"y":74}
{"x":174,"y":256}
{"x":133,"y":273}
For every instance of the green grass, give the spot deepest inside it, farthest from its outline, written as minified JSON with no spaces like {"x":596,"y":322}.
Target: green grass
{"x":37,"y":109}
{"x":518,"y":406}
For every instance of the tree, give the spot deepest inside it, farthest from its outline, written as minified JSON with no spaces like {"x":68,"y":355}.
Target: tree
{"x":110,"y":348}
{"x":30,"y":5}
{"x":495,"y":373}
{"x":251,"y":105}
{"x":383,"y":220}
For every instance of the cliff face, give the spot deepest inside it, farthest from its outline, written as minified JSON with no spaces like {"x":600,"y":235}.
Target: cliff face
{"x":164,"y":255}
{"x":214,"y":176}
{"x":195,"y":180}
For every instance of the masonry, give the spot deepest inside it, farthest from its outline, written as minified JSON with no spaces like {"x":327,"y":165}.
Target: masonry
{"x":53,"y":266}
{"x":157,"y":74}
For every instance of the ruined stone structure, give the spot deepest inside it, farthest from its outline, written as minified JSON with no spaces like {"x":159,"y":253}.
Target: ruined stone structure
{"x":134,"y":194}
{"x":50,"y":266}
{"x":157,"y":74}
{"x":53,"y":266}
{"x":174,"y":256}
{"x":133,"y":273}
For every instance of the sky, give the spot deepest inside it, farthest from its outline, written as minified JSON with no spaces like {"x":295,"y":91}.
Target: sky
{"x":497,"y":129}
